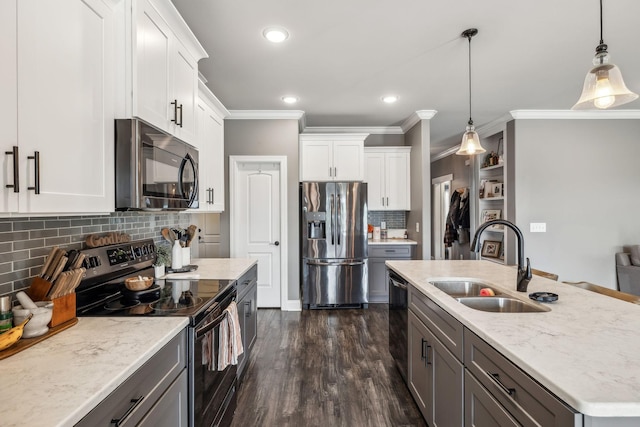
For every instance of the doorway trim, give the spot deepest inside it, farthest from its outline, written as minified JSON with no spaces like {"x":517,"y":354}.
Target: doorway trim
{"x":234,"y":162}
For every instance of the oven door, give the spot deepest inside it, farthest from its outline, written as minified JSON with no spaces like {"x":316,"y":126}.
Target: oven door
{"x":213,"y":391}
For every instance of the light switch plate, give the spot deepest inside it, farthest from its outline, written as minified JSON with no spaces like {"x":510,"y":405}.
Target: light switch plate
{"x":417,"y":227}
{"x":538,"y":227}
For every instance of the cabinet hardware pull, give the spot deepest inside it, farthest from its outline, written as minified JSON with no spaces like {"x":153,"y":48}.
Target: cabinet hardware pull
{"x":383,"y":201}
{"x":496,"y":378}
{"x":16,"y":174}
{"x":247,"y":313}
{"x":335,"y":171}
{"x":426,"y":355}
{"x":134,"y":404}
{"x":180,"y":124}
{"x":36,"y":172}
{"x":175,"y":111}
{"x":387,"y":201}
{"x":422,"y":343}
{"x":213,"y":196}
{"x":330,"y":171}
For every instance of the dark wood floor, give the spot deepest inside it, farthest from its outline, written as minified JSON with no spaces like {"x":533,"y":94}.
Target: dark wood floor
{"x":324,"y":368}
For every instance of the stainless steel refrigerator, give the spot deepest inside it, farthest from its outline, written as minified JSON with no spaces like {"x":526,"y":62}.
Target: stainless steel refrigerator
{"x":334,"y":244}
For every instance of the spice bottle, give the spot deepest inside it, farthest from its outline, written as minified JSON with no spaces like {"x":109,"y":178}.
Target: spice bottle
{"x":6,"y":316}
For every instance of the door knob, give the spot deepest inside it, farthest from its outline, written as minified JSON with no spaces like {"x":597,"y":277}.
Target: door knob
{"x":276,"y":243}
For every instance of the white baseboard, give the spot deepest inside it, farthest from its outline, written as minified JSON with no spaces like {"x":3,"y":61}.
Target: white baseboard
{"x":292,"y":305}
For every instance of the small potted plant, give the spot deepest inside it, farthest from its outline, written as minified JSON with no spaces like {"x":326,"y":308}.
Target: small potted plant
{"x":163,"y":258}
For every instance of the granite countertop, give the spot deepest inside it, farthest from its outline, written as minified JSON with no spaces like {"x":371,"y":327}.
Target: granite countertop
{"x":585,"y":350}
{"x":393,"y":241}
{"x":61,"y":379}
{"x":216,"y":268}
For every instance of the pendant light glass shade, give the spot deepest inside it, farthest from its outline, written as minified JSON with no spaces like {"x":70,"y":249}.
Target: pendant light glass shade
{"x":603,"y":87}
{"x":470,"y":144}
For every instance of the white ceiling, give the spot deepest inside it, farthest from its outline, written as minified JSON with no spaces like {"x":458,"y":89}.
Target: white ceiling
{"x":342,"y":56}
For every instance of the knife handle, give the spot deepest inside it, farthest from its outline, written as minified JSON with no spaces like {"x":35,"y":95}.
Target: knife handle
{"x":59,"y":267}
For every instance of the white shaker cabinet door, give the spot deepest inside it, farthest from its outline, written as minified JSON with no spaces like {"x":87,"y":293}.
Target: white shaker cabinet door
{"x":66,"y":105}
{"x":152,"y":83}
{"x":8,"y":111}
{"x":211,"y":159}
{"x":348,"y":160}
{"x":316,"y":161}
{"x":374,"y":177}
{"x":185,"y":92}
{"x":397,"y":181}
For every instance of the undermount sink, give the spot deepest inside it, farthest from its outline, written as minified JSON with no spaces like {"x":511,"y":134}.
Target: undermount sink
{"x":462,"y":288}
{"x":501,"y":305}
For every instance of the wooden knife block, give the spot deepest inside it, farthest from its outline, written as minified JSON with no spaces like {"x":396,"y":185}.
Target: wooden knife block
{"x":64,"y":307}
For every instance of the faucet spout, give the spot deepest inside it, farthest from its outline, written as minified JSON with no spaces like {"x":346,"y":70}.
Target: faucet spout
{"x":524,"y":270}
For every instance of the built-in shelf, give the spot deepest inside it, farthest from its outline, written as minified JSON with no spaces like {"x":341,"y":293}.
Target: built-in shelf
{"x":492,"y":198}
{"x":488,"y":168}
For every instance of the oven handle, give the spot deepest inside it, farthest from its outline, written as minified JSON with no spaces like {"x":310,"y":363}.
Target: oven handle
{"x":209,"y":326}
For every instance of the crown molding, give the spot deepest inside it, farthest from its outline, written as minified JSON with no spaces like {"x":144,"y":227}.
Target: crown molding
{"x":265,"y":115}
{"x":211,"y":100}
{"x":571,"y":114}
{"x":342,"y":136}
{"x":445,"y":153}
{"x":373,"y":130}
{"x":416,"y":117}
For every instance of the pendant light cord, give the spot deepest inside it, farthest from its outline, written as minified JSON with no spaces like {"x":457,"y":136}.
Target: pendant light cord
{"x":470,"y":120}
{"x":601,"y":38}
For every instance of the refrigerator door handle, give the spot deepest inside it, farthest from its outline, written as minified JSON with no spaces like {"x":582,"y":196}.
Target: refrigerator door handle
{"x":339,"y":230}
{"x":324,"y":264}
{"x":332,"y":225}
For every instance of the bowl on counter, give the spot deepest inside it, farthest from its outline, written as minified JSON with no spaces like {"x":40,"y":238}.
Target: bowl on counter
{"x":38,"y":324}
{"x":138,"y":283}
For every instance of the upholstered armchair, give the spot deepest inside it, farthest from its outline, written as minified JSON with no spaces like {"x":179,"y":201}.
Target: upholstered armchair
{"x":628,"y":270}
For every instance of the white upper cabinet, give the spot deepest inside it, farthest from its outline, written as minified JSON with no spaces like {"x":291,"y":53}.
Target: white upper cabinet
{"x":332,"y":157}
{"x":58,"y":90}
{"x":387,"y":173}
{"x":210,"y":131}
{"x":161,"y":85}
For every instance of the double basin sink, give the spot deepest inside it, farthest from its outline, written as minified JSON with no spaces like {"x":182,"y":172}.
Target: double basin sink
{"x":468,"y":292}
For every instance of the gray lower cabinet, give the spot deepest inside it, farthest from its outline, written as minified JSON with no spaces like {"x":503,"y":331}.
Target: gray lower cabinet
{"x":514,"y":391}
{"x":378,"y":275}
{"x":155,"y":395}
{"x":435,"y":373}
{"x":481,"y":409}
{"x":247,"y":315}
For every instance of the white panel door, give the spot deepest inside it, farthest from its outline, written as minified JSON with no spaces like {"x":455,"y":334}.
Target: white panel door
{"x":348,"y":160}
{"x":374,"y":177}
{"x":66,"y":105}
{"x":9,"y":97}
{"x":397,"y":182}
{"x":257,"y":219}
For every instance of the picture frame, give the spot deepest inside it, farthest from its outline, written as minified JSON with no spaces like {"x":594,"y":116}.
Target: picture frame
{"x":495,"y":189}
{"x":490,"y":214}
{"x":491,"y":248}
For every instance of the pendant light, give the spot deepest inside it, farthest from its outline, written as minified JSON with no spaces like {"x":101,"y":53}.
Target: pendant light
{"x":470,"y":140}
{"x":603,"y":87}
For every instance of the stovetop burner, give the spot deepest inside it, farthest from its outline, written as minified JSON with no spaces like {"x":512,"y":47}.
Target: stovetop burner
{"x":102,"y":292}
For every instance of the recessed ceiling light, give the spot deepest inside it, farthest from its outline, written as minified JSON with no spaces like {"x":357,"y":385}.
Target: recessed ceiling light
{"x":389,"y":99}
{"x":275,"y":34}
{"x":290,"y":99}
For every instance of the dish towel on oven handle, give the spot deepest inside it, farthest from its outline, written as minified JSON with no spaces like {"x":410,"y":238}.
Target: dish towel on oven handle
{"x":230,"y":345}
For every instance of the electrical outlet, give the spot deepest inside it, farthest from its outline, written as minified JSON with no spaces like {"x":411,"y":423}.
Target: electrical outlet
{"x":417,"y":227}
{"x":383,"y":225}
{"x":538,"y":227}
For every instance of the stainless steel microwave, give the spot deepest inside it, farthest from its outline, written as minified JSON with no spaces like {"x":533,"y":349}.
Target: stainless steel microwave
{"x":154,"y":170}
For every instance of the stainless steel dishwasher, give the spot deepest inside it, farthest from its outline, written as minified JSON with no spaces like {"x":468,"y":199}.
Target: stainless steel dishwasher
{"x":398,"y":324}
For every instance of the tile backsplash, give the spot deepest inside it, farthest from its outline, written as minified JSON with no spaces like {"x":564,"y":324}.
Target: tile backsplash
{"x":25,"y":242}
{"x":394,"y":219}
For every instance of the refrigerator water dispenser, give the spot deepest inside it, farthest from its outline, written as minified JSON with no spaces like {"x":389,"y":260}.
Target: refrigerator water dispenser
{"x":316,"y":225}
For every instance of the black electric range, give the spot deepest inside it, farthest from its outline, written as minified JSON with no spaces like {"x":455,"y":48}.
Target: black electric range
{"x":102,"y":292}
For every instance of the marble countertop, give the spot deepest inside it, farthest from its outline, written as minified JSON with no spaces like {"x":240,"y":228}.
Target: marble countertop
{"x":372,"y":242}
{"x":61,"y":379}
{"x":216,"y":268}
{"x":586,"y":350}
